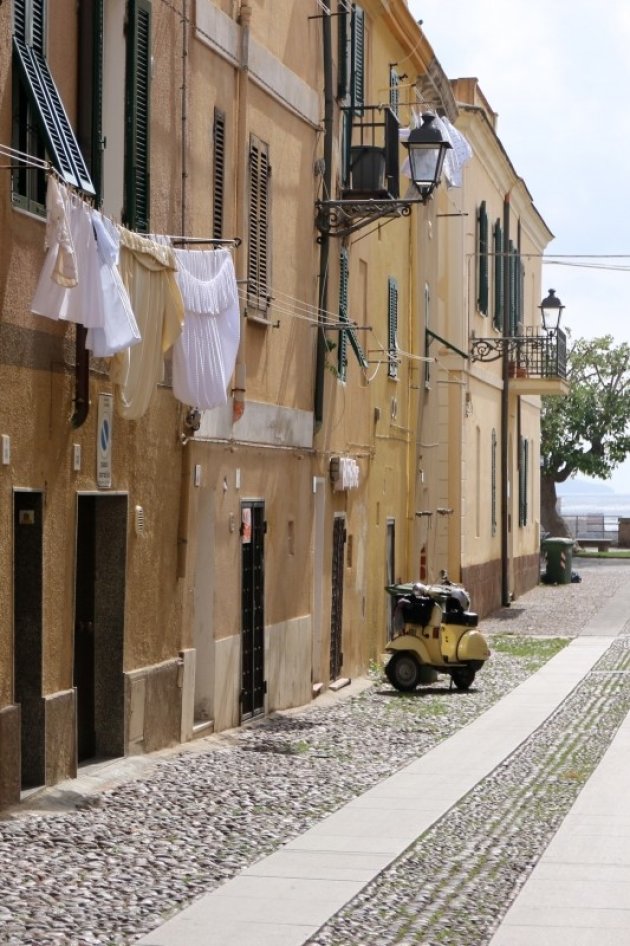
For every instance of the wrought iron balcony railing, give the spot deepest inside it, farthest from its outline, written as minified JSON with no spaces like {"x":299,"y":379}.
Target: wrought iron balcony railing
{"x":530,"y":356}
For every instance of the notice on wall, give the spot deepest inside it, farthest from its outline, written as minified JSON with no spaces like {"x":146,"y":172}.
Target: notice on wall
{"x":104,"y":441}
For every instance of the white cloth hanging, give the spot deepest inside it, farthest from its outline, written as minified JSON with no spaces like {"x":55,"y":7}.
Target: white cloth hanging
{"x":120,"y":329}
{"x":205,"y":353}
{"x":64,"y":270}
{"x":78,"y":300}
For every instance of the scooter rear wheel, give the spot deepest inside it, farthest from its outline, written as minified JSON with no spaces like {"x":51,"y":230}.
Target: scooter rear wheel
{"x":463,"y":677}
{"x":403,"y":671}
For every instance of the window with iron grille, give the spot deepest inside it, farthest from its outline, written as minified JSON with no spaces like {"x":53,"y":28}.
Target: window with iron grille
{"x":482,"y":258}
{"x":40,"y":124}
{"x":258,"y":289}
{"x":137,"y":117}
{"x":392,"y":327}
{"x":218,"y":173}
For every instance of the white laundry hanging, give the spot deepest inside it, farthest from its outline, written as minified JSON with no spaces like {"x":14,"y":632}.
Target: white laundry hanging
{"x":74,"y":299}
{"x":120,"y":329}
{"x":205,"y":353}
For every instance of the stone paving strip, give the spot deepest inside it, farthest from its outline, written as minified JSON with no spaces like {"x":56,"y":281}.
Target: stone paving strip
{"x":456,"y":882}
{"x":129,"y":858}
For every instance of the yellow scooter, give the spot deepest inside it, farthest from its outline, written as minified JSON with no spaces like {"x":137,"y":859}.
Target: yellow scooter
{"x":434,"y":632}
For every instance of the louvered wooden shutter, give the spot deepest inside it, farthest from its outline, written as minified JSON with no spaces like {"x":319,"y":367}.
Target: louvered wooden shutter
{"x":493,"y":484}
{"x":498,"y":276}
{"x":218,"y":174}
{"x":512,"y":289}
{"x":138,"y":102}
{"x":342,"y":354}
{"x":258,"y":243}
{"x":394,"y":91}
{"x":28,"y":52}
{"x":482,"y":250}
{"x":523,"y":476}
{"x":90,"y":91}
{"x":392,"y":327}
{"x":357,"y":89}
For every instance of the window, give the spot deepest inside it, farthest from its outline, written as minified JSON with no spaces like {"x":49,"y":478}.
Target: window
{"x":394,"y":89}
{"x":493,"y":484}
{"x":346,"y":333}
{"x":40,"y":124}
{"x":498,"y":276}
{"x":218,"y":174}
{"x":258,"y":246}
{"x":392,"y":327}
{"x":137,"y":112}
{"x":482,"y":259}
{"x":344,"y":51}
{"x":90,"y":91}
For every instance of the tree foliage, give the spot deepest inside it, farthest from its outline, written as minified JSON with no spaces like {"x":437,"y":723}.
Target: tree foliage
{"x":589,"y":431}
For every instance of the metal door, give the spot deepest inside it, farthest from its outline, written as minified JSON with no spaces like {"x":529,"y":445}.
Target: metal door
{"x":336,"y":611}
{"x":253,"y":686}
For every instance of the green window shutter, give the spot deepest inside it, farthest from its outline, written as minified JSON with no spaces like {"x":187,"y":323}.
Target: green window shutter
{"x":482,"y":251}
{"x":392,"y":327}
{"x":342,"y":354}
{"x":258,"y":227}
{"x":498,"y":276}
{"x":43,"y":96}
{"x":357,"y":87}
{"x":523,"y":475}
{"x":493,"y":484}
{"x":218,"y":174}
{"x":137,"y":112}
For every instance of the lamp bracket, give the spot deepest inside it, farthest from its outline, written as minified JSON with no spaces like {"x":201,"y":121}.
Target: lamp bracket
{"x":339,"y":218}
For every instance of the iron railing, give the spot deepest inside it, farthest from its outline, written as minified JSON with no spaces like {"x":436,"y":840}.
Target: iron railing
{"x":532,"y":355}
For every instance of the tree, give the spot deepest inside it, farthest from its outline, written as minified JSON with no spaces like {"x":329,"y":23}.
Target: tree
{"x":589,"y":431}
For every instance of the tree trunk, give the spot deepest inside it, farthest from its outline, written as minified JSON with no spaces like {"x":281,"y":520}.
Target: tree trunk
{"x":552,"y":522}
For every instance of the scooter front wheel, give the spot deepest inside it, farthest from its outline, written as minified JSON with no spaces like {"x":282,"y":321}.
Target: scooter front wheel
{"x":463,"y":677}
{"x":403,"y":671}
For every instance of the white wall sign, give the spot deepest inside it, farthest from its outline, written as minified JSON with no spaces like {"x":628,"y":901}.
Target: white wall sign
{"x":104,"y":441}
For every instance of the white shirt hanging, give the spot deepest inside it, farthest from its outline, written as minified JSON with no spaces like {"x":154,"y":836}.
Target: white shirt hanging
{"x":205,"y":353}
{"x":120,"y":329}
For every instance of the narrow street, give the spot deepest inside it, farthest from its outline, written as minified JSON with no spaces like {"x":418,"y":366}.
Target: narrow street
{"x":80,"y":865}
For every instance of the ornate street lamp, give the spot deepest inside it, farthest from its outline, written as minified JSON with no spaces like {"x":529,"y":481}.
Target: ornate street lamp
{"x":551,"y":310}
{"x":427,"y":148}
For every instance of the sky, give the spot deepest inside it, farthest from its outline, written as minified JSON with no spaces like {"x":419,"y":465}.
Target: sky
{"x":557,"y":72}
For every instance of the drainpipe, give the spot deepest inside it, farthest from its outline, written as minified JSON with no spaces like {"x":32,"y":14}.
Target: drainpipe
{"x":81,"y":378}
{"x":320,"y":363}
{"x":242,"y":157}
{"x":505,"y":414}
{"x":184,"y":215}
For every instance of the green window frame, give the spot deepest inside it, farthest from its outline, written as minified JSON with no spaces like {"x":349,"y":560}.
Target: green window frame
{"x":41,"y":126}
{"x":482,"y":259}
{"x":392,"y":328}
{"x":523,"y":479}
{"x":138,"y":116}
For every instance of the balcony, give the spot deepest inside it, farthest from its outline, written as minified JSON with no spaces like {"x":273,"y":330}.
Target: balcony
{"x":537,"y":363}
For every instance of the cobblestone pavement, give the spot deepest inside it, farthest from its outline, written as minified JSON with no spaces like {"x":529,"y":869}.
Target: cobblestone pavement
{"x":112,"y":871}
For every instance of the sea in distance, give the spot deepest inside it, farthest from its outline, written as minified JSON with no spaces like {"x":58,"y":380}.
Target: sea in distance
{"x":583,"y":498}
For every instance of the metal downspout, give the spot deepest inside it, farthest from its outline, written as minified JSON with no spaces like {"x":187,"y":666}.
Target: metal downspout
{"x":242,"y":152}
{"x":505,"y":415}
{"x":318,"y":396}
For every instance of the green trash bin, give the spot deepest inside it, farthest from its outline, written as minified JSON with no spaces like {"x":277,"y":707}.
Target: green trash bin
{"x":559,"y":560}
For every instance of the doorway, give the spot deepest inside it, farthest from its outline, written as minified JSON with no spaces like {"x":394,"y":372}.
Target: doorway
{"x":336,"y":611}
{"x":99,"y":625}
{"x":28,"y":632}
{"x":253,"y":686}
